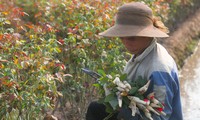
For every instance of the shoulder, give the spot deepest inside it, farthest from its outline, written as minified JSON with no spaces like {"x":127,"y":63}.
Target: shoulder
{"x":161,"y":60}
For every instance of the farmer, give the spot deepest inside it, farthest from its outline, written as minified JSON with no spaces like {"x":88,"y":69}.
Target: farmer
{"x":138,"y":30}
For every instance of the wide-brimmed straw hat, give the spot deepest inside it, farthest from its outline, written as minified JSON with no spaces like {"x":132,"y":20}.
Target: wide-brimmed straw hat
{"x":134,"y":19}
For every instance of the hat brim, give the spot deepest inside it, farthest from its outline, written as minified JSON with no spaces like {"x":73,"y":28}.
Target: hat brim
{"x":131,"y":30}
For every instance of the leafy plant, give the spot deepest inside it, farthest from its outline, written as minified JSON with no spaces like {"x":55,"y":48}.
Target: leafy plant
{"x":27,"y":88}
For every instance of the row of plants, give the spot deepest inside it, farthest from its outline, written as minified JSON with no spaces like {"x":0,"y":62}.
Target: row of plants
{"x":43,"y":46}
{"x":29,"y":71}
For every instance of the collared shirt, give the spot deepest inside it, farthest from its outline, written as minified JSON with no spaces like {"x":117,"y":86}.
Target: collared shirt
{"x":156,"y":65}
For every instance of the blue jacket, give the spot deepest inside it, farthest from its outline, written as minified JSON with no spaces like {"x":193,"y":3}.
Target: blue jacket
{"x":156,"y":65}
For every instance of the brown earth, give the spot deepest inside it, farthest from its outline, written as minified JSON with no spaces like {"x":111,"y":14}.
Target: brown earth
{"x":182,"y":41}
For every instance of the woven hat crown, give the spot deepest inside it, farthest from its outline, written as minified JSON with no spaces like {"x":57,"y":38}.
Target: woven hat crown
{"x":134,"y":14}
{"x":134,"y":19}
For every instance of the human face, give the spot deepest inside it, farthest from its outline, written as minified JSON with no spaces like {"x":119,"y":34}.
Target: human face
{"x":136,"y":45}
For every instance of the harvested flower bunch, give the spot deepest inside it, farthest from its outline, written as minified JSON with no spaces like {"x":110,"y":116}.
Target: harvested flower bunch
{"x":119,"y":93}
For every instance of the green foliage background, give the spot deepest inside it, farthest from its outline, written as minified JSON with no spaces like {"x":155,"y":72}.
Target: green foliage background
{"x":45,"y":43}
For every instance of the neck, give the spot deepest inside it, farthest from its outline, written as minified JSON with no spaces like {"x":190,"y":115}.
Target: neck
{"x":143,"y":48}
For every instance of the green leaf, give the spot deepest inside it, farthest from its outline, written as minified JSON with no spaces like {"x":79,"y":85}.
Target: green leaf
{"x":109,"y":108}
{"x":140,"y":81}
{"x":110,"y":102}
{"x":133,"y":84}
{"x":101,"y":72}
{"x":123,"y":77}
{"x":101,"y":100}
{"x":103,"y":80}
{"x":133,"y":90}
{"x":97,"y":85}
{"x":110,"y":97}
{"x":139,"y":96}
{"x":114,"y":104}
{"x":126,"y":101}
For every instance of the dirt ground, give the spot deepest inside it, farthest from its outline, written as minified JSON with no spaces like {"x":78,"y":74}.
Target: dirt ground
{"x":180,"y":41}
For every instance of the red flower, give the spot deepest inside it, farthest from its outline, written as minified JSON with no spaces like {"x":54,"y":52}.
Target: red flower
{"x":152,"y":97}
{"x":146,"y":100}
{"x":62,"y":66}
{"x":159,"y":109}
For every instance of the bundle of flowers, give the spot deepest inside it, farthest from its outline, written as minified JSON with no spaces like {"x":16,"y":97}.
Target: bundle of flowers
{"x":118,"y":93}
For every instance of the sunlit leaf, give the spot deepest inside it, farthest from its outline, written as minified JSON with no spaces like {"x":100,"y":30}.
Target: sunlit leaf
{"x":7,"y":22}
{"x":97,"y":85}
{"x":101,"y":72}
{"x":59,"y":94}
{"x":29,"y":26}
{"x":123,"y":77}
{"x":1,"y":36}
{"x":5,"y":13}
{"x":1,"y":66}
{"x":16,"y":61}
{"x":38,"y":14}
{"x":10,"y":84}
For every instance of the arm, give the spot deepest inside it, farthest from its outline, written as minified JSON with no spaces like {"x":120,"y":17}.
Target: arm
{"x":167,"y":91}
